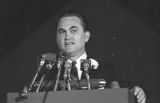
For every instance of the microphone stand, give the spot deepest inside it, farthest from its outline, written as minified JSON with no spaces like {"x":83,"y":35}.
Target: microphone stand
{"x":88,"y":80}
{"x":39,"y":85}
{"x":67,"y":77}
{"x":86,"y":64}
{"x":34,"y":78}
{"x":59,"y":66}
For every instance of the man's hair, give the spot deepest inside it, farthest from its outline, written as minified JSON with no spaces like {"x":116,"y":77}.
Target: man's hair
{"x":70,"y":14}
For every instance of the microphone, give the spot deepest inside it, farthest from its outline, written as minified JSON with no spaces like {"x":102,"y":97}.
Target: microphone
{"x":47,"y":58}
{"x":67,"y":66}
{"x":47,"y":62}
{"x":60,"y":62}
{"x":50,"y":59}
{"x":85,"y":65}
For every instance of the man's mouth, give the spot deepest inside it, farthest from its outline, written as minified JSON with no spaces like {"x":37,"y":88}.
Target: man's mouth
{"x":69,"y":43}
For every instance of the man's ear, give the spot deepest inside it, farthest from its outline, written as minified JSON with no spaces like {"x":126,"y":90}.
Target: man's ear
{"x":87,"y":36}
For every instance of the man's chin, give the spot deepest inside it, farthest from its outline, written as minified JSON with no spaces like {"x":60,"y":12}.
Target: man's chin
{"x":69,"y":52}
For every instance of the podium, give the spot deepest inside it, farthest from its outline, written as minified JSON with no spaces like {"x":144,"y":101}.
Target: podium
{"x":121,"y":95}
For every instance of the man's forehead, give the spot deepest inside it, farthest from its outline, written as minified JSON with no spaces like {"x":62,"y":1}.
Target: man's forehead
{"x":69,"y":22}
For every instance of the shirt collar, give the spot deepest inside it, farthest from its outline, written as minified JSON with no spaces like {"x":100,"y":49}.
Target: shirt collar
{"x":83,"y":56}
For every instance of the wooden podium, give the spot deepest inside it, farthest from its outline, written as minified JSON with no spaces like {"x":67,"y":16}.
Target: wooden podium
{"x":77,"y":96}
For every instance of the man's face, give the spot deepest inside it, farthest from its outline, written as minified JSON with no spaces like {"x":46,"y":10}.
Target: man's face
{"x":71,"y":37}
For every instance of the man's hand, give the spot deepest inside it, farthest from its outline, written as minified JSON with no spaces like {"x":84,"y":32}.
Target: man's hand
{"x":140,"y":94}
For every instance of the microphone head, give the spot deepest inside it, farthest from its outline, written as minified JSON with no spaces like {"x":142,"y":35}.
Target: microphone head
{"x":47,"y":61}
{"x":49,"y":56}
{"x":85,"y":64}
{"x":67,"y":65}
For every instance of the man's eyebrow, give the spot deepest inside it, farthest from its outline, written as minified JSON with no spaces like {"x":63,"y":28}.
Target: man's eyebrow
{"x":73,"y":27}
{"x":60,"y":29}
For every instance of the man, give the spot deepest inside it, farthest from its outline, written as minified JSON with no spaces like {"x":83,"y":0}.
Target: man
{"x":72,"y":36}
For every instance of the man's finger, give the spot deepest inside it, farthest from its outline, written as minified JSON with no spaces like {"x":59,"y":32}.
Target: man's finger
{"x":136,"y":90}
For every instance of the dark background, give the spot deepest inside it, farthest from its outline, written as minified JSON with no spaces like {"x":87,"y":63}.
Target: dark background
{"x":124,"y":33}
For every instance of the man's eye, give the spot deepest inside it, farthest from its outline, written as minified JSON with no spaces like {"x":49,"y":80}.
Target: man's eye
{"x":73,"y":31}
{"x":61,"y":32}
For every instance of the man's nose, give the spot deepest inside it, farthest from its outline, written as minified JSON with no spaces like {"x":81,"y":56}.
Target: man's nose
{"x":67,"y":35}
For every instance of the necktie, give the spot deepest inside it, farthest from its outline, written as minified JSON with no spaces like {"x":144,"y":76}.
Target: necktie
{"x":74,"y":73}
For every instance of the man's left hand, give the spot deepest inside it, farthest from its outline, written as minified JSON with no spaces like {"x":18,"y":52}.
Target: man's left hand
{"x":140,"y":94}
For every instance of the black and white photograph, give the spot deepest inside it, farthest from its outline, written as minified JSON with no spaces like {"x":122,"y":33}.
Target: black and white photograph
{"x":79,"y":51}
